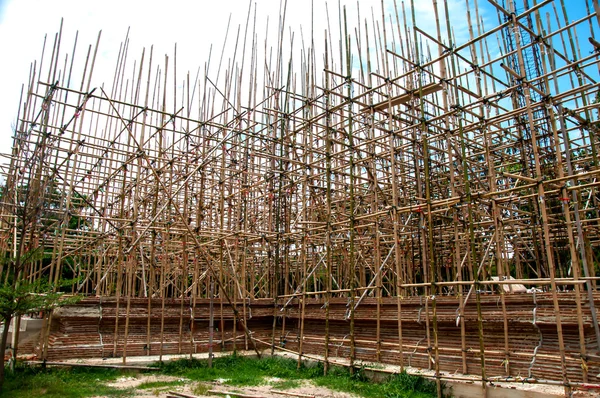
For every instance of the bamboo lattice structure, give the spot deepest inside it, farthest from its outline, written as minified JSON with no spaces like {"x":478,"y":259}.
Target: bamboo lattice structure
{"x":400,"y":171}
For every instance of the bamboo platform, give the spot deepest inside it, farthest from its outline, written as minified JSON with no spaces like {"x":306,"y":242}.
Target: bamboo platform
{"x":88,"y":331}
{"x":379,"y":191}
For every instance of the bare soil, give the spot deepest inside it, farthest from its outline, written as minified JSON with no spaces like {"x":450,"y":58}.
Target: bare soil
{"x":189,"y":387}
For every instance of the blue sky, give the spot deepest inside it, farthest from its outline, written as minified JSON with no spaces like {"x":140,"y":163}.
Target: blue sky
{"x":194,"y":26}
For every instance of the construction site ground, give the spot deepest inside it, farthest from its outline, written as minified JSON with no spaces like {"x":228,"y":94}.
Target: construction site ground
{"x":459,"y":389}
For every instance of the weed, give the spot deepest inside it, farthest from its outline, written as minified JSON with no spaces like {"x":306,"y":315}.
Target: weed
{"x":234,"y":370}
{"x":285,"y":384}
{"x":158,"y":384}
{"x":244,"y":371}
{"x":27,"y":381}
{"x":201,"y":389}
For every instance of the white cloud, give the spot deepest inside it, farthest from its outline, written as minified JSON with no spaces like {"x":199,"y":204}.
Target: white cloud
{"x":194,"y":26}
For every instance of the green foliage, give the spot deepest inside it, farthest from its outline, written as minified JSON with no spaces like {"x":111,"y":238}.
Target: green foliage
{"x":201,"y":389}
{"x":244,"y":371}
{"x":401,"y":385}
{"x":514,"y":168}
{"x":236,"y":370}
{"x":405,"y":382}
{"x":79,"y":201}
{"x":32,"y":296}
{"x":30,"y":256}
{"x":285,"y":384}
{"x":28,"y":381}
{"x":159,"y":384}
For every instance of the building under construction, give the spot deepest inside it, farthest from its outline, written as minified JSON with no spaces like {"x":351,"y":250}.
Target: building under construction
{"x":399,"y":197}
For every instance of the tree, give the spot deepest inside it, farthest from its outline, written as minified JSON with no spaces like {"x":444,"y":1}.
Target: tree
{"x":24,"y":297}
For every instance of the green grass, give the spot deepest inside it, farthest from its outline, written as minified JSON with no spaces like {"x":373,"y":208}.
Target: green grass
{"x":243,"y":371}
{"x":237,"y":371}
{"x":201,"y":389}
{"x":28,"y":382}
{"x":401,"y":385}
{"x":159,"y":384}
{"x":285,"y":384}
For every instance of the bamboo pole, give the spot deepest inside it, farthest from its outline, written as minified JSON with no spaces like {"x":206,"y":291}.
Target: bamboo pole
{"x":407,"y":165}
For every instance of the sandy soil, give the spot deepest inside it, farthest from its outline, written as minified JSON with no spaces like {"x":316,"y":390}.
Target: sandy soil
{"x":305,"y":388}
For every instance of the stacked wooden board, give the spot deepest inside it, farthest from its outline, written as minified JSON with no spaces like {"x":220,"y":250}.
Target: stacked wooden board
{"x":90,"y":329}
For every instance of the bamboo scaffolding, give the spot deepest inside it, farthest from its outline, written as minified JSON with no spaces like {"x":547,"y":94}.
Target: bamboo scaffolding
{"x":404,"y":164}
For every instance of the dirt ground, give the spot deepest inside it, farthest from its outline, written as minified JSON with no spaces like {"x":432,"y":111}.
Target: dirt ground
{"x":305,"y":389}
{"x":466,"y":388}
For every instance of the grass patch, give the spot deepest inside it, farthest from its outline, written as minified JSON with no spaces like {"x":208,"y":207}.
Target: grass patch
{"x":159,"y":384}
{"x":246,"y":371}
{"x":285,"y":384}
{"x":236,"y":371}
{"x":201,"y":389}
{"x":27,"y":381}
{"x":401,"y":385}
